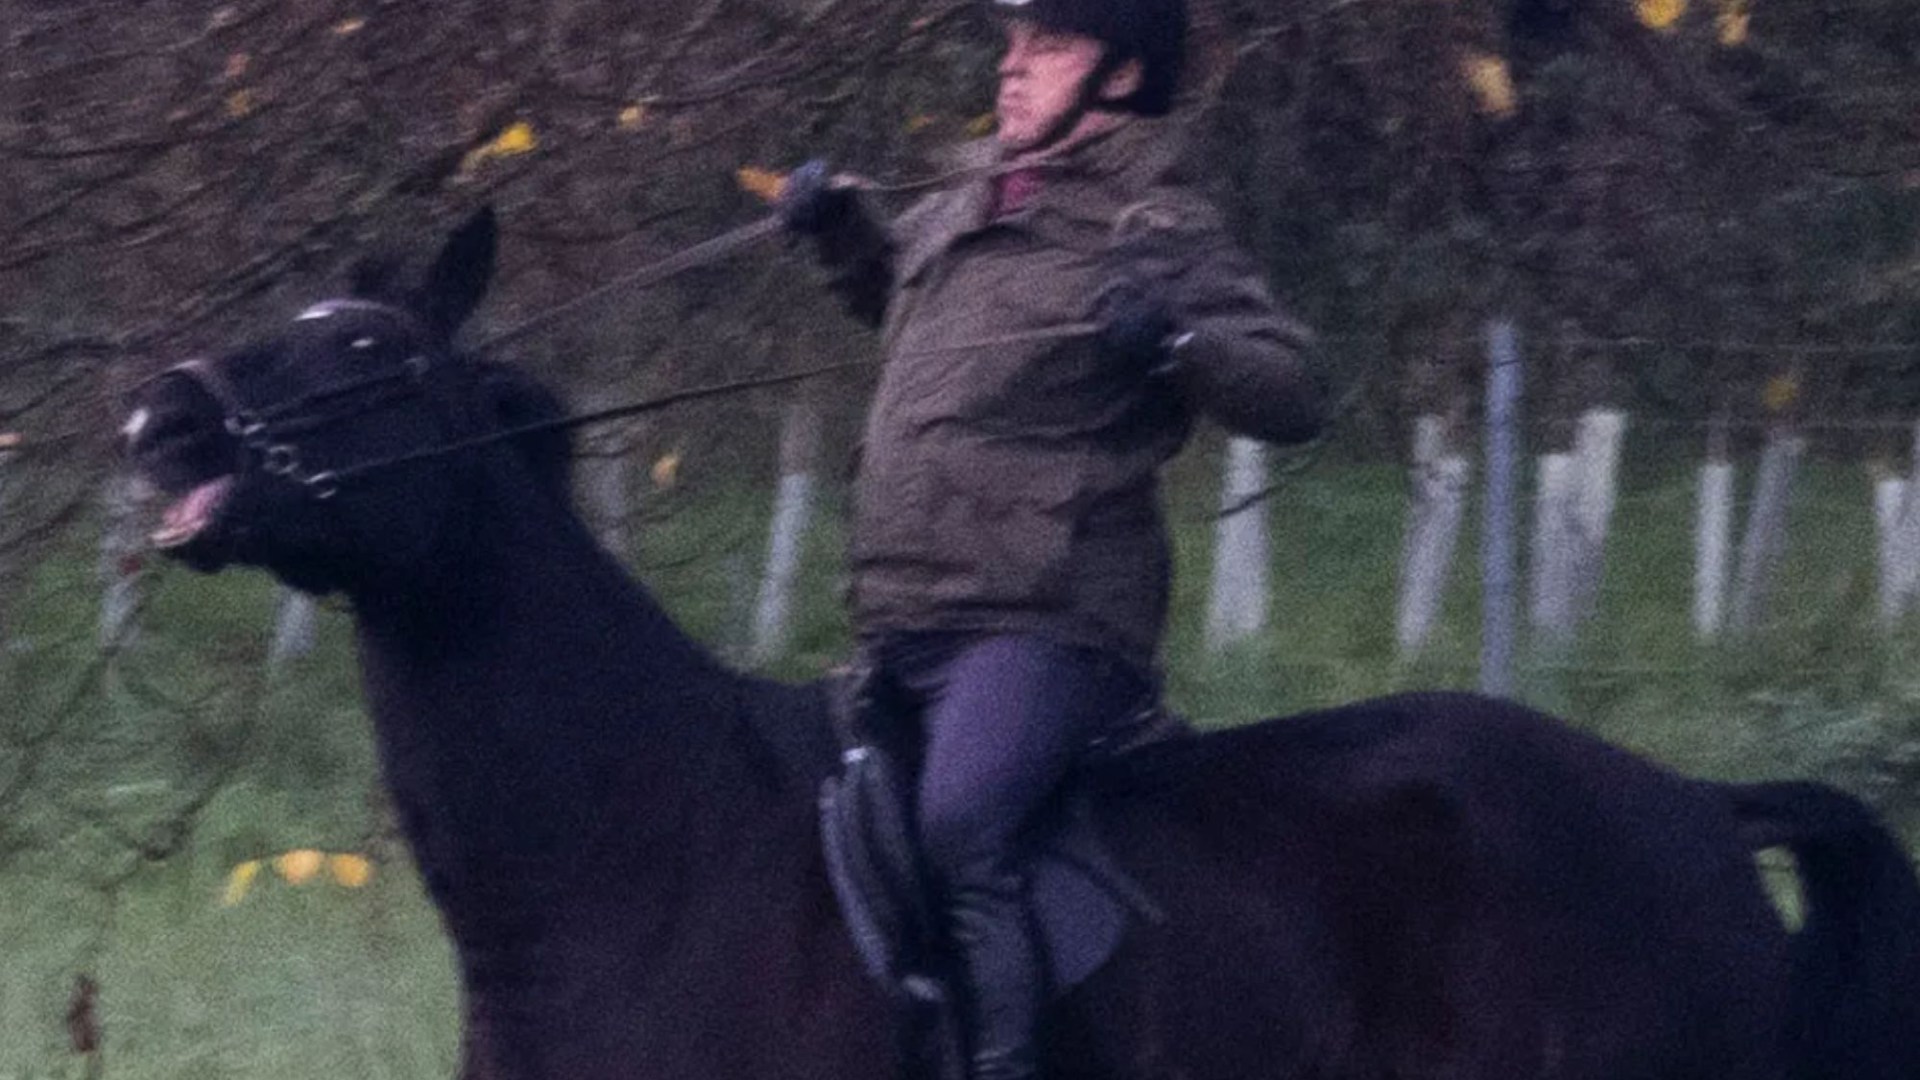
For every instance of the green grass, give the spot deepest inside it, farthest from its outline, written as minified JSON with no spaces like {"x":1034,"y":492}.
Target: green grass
{"x":323,"y":981}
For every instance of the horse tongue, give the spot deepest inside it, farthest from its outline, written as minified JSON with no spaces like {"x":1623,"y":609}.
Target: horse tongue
{"x":193,"y":512}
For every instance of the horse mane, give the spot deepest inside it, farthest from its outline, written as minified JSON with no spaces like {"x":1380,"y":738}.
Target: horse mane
{"x":519,"y":401}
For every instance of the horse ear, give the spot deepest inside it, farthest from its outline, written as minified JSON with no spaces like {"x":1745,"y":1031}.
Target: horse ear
{"x":519,"y":400}
{"x":461,"y":274}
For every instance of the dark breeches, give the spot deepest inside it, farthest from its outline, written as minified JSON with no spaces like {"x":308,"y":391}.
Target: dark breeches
{"x":1003,"y":719}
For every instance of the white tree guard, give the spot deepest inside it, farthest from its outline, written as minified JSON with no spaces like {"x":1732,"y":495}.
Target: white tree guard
{"x":792,"y":516}
{"x":295,"y":628}
{"x":1556,"y":550}
{"x":1889,"y":502}
{"x":1712,"y":546}
{"x":1766,"y":535}
{"x":772,"y":613}
{"x":1238,"y":600}
{"x":1597,"y":449}
{"x":1905,"y":541}
{"x":1440,"y":479}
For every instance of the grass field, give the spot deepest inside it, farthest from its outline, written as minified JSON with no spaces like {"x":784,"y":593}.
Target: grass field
{"x":101,"y":761}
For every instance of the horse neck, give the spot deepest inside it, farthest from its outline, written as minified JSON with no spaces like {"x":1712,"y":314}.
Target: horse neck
{"x":524,"y":681}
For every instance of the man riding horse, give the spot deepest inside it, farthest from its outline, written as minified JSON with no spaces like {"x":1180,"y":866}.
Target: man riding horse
{"x":1051,"y":323}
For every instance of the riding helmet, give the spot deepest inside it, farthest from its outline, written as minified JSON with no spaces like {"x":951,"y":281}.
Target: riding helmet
{"x":1151,"y":31}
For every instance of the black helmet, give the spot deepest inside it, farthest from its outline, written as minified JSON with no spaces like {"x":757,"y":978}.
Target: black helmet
{"x":1153,"y":32}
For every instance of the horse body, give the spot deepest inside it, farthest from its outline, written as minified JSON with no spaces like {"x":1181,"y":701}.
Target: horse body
{"x":1438,"y":886}
{"x":620,"y":834}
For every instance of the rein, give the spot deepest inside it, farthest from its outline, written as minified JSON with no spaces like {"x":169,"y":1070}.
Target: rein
{"x":739,"y":239}
{"x":264,"y":434}
{"x":336,"y":477}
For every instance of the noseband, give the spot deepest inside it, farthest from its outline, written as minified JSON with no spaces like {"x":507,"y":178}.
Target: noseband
{"x":266,"y":434}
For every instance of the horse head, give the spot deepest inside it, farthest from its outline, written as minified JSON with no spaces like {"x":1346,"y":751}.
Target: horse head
{"x":320,"y":452}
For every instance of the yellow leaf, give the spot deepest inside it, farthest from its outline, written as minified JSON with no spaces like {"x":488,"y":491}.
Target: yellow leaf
{"x":349,"y":26}
{"x":764,"y":183}
{"x":1732,"y":22}
{"x":1492,"y":83}
{"x":918,"y":124}
{"x":1780,"y":393}
{"x":239,"y":881}
{"x":350,"y":871}
{"x":518,"y":138}
{"x":298,"y":866}
{"x":1661,"y":15}
{"x":633,"y":116}
{"x":237,"y":65}
{"x":239,"y":103}
{"x":666,"y":471}
{"x":981,"y":126}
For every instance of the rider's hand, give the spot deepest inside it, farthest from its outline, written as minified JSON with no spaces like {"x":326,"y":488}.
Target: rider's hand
{"x":1136,"y":326}
{"x":812,"y":201}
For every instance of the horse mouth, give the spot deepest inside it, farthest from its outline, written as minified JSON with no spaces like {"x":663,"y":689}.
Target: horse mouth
{"x":178,"y":445}
{"x":192,"y":515}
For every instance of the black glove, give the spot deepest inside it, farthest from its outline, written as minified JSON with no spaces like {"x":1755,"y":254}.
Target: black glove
{"x":1136,"y":327}
{"x":810,"y":202}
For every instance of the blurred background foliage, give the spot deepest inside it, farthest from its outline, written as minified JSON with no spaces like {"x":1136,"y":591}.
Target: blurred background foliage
{"x":1681,"y":202}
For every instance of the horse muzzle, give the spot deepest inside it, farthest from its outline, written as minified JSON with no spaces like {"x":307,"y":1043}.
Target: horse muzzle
{"x":176,"y":437}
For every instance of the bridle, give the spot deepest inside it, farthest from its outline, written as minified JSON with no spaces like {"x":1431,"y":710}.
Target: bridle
{"x":266,"y":435}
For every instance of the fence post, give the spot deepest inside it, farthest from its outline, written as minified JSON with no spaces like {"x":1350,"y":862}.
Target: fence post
{"x":1237,"y":602}
{"x":1497,"y":538}
{"x":792,"y":511}
{"x":1440,"y":477}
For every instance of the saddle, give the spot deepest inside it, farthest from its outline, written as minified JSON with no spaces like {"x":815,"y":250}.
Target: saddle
{"x":1081,"y":901}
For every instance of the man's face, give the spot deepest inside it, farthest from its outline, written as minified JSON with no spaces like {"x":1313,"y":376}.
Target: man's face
{"x":1041,"y":77}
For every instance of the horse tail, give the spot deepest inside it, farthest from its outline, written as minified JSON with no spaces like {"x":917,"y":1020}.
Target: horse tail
{"x":1854,"y":1001}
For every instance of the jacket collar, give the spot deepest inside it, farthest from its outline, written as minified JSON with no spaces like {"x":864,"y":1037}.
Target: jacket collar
{"x":1121,"y":164}
{"x":1094,"y":180}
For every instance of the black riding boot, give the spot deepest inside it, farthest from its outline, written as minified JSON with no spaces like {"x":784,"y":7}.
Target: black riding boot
{"x":1000,"y":969}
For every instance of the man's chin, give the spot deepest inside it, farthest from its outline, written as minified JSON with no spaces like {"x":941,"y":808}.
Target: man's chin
{"x":1014,"y":142}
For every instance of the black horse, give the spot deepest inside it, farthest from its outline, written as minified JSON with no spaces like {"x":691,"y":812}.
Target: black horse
{"x":621,"y":835}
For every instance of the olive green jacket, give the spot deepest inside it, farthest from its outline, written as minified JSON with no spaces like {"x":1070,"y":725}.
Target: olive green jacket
{"x":1008,"y":474}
